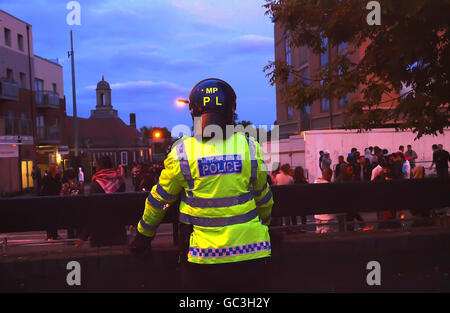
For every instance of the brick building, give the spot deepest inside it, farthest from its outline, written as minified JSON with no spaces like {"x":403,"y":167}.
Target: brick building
{"x":321,"y":114}
{"x":104,"y":133}
{"x":34,"y":126}
{"x":32,"y":105}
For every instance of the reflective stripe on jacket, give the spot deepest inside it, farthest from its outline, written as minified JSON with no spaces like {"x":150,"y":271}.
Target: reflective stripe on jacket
{"x":224,"y":195}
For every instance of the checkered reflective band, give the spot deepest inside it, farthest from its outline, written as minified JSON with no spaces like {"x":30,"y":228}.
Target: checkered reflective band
{"x":230,"y":251}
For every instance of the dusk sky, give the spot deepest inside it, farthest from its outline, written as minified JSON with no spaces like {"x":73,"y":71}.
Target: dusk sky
{"x":153,"y":51}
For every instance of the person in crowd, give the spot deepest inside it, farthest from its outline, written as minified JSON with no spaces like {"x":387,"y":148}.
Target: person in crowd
{"x":269,"y":180}
{"x":37,"y":178}
{"x":363,"y":170}
{"x":325,"y":218}
{"x":326,"y":160}
{"x":406,"y":167}
{"x":352,"y":152}
{"x":441,"y":158}
{"x":148,"y":178}
{"x":374,"y":162}
{"x":385,"y":174}
{"x":300,"y":179}
{"x":51,"y":186}
{"x":275,"y":173}
{"x":134,"y":176}
{"x":105,"y":180}
{"x":299,"y":176}
{"x":368,"y":155}
{"x":434,"y":147}
{"x":140,"y":173}
{"x":353,"y":172}
{"x":71,"y":187}
{"x":80,"y":177}
{"x":411,"y":156}
{"x":378,"y":168}
{"x":401,"y":149}
{"x":385,"y":153}
{"x":320,"y":160}
{"x":341,"y":163}
{"x":283,"y":178}
{"x":396,"y":165}
{"x":349,"y":173}
{"x":418,"y":172}
{"x":121,"y":171}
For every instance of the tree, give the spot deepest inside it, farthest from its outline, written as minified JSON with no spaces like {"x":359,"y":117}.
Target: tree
{"x":409,"y":51}
{"x":147,"y":132}
{"x":160,"y":147}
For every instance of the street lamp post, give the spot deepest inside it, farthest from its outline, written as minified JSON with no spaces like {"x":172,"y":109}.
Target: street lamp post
{"x":74,"y":97}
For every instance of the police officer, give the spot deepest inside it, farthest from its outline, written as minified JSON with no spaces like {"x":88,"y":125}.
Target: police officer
{"x":225,"y":199}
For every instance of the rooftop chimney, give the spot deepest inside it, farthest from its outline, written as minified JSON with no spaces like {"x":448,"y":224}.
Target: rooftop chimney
{"x":133,"y":120}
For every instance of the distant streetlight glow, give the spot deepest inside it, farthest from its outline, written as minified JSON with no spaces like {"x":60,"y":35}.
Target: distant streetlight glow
{"x":157,"y":134}
{"x":182,"y":103}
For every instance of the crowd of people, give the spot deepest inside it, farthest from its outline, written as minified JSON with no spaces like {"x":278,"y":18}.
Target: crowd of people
{"x":375,"y":164}
{"x":106,"y":179}
{"x":145,"y":175}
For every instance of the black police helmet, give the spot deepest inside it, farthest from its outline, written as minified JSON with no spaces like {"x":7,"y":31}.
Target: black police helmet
{"x":214,"y":101}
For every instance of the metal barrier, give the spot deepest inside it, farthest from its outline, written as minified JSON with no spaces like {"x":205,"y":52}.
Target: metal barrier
{"x":40,"y":213}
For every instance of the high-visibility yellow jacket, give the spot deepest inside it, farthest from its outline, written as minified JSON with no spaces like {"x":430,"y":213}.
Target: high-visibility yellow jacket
{"x":224,"y":195}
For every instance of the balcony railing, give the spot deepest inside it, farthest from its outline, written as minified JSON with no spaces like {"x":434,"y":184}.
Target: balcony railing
{"x":15,"y":127}
{"x":47,"y":99}
{"x":9,"y":90}
{"x":48,"y":134}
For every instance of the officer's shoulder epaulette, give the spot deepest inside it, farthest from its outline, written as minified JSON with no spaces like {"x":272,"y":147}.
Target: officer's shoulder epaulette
{"x":178,"y":142}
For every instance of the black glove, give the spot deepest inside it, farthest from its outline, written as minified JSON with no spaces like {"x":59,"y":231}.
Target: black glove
{"x":140,"y":244}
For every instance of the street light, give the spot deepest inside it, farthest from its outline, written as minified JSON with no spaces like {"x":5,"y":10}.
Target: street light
{"x":181,"y":103}
{"x":157,"y":134}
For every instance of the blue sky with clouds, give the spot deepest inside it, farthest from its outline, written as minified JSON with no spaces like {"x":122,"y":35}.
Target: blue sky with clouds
{"x":153,"y":51}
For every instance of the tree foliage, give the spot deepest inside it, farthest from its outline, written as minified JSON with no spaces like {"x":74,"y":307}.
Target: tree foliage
{"x":409,"y":51}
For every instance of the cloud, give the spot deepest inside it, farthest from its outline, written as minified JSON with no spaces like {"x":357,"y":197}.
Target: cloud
{"x":252,"y":43}
{"x":147,"y":86}
{"x":244,"y":45}
{"x":154,"y":51}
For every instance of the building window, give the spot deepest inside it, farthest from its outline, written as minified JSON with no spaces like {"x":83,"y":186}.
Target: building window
{"x":38,"y":84}
{"x":9,"y":74}
{"x":303,"y":55}
{"x":288,"y":55}
{"x":288,"y":50}
{"x":124,"y":158}
{"x":290,"y":113}
{"x":343,"y":101}
{"x":54,"y":87}
{"x":305,"y":76}
{"x":324,"y":103}
{"x":324,"y":55}
{"x":8,"y":37}
{"x":325,"y":107}
{"x":342,"y":48}
{"x":20,"y":42}
{"x":40,"y":126}
{"x":23,"y":81}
